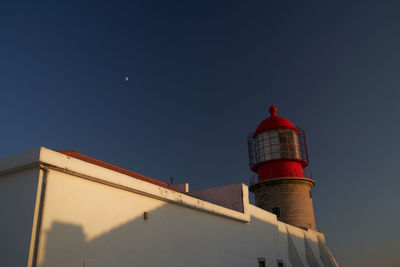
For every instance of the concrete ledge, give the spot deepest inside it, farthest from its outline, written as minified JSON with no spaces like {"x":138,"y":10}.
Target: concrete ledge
{"x":19,"y":161}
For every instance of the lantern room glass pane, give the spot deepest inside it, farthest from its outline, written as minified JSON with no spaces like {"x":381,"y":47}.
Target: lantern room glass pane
{"x":277,"y":144}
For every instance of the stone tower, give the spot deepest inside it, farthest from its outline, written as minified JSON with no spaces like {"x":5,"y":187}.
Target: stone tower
{"x":278,"y":154}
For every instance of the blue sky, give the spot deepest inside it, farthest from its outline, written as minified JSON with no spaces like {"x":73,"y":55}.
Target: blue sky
{"x":201,"y":78}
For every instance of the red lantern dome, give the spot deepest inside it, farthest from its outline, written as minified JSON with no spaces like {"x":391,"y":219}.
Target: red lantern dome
{"x":274,"y":122}
{"x":277,"y":148}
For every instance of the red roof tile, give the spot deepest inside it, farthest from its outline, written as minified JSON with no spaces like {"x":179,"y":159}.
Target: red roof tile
{"x":74,"y":154}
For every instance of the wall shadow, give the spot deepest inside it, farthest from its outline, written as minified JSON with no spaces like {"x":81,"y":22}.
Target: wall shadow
{"x":167,"y":238}
{"x":177,"y":239}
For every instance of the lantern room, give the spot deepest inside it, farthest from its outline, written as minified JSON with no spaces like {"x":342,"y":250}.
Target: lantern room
{"x":277,"y":149}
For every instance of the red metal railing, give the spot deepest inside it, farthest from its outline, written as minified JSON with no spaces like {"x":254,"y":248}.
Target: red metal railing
{"x":303,"y":145}
{"x":307,"y":173}
{"x":253,"y":180}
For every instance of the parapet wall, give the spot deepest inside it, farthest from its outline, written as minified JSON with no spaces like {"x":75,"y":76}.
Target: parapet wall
{"x":230,"y":196}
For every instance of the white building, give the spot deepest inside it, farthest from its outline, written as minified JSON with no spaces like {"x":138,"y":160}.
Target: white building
{"x":65,"y":209}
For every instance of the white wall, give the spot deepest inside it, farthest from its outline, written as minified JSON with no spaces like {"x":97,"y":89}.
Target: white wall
{"x":86,"y":223}
{"x":17,"y":205}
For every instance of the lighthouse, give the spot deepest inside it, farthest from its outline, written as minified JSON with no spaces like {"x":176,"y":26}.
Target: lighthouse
{"x":278,"y":154}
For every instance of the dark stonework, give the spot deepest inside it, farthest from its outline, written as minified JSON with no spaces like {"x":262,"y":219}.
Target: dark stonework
{"x":291,"y":195}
